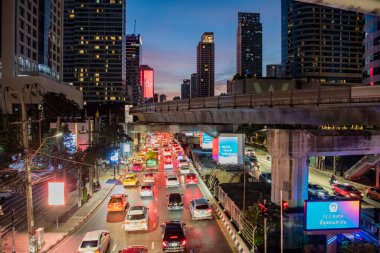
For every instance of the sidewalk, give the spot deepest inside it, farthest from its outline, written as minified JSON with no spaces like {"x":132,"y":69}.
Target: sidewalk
{"x":80,"y":216}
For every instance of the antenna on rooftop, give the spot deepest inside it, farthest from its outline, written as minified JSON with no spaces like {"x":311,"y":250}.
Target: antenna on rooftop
{"x":134,"y":28}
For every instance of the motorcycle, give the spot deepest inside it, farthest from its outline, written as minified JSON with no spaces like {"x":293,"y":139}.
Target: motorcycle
{"x":97,"y":186}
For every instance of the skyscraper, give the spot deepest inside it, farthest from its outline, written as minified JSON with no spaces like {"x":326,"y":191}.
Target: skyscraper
{"x":147,"y":81}
{"x":185,"y":89}
{"x":371,"y":55}
{"x":94,"y":50}
{"x":249,"y":45}
{"x":193,"y":85}
{"x":31,"y":49}
{"x":321,"y":44}
{"x":274,"y":70}
{"x":206,"y":65}
{"x":133,"y":60}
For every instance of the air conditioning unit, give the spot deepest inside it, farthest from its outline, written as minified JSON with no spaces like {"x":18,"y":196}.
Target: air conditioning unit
{"x":40,"y":234}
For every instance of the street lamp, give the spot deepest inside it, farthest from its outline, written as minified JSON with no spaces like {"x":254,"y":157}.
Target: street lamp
{"x":29,"y":196}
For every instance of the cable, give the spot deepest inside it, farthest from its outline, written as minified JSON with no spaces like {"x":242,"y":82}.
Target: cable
{"x":63,"y":159}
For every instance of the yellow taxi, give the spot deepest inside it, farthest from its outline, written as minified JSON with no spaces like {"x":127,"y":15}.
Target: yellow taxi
{"x":130,"y":180}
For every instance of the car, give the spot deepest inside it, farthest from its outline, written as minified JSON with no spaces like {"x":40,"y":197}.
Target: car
{"x":167,"y":151}
{"x":172,"y":180}
{"x":179,"y":155}
{"x":183,"y":162}
{"x":130,"y":180}
{"x":346,"y":190}
{"x":200,"y":209}
{"x":137,"y":218}
{"x":146,"y":190}
{"x":168,"y":165}
{"x":173,"y":236}
{"x":137,"y":167}
{"x":191,"y":178}
{"x":168,"y":158}
{"x":148,"y":177}
{"x":184,"y":169}
{"x":251,"y":160}
{"x":373,"y":193}
{"x":95,"y":241}
{"x":117,"y":203}
{"x":265,"y":177}
{"x":134,"y":249}
{"x":175,"y":201}
{"x":318,"y":190}
{"x":249,"y":151}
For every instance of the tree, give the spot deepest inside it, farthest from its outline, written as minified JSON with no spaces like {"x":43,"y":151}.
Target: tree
{"x":10,"y":139}
{"x":358,"y":247}
{"x":56,"y":104}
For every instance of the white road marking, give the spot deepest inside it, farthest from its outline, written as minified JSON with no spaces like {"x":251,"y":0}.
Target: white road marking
{"x":114,"y":247}
{"x":152,"y":245}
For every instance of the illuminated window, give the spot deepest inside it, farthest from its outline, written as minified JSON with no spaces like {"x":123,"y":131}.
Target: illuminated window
{"x":81,"y":79}
{"x":80,"y":88}
{"x":97,"y":38}
{"x":113,"y":38}
{"x":97,"y":56}
{"x":81,"y":42}
{"x":71,"y":16}
{"x":106,"y":47}
{"x":81,"y":51}
{"x":96,"y":47}
{"x":97,"y":79}
{"x":113,"y":98}
{"x":84,"y":103}
{"x":81,"y":74}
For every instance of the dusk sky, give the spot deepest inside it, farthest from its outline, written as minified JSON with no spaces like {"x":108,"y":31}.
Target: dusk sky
{"x":171,"y":30}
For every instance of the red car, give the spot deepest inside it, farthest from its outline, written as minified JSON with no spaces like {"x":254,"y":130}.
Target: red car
{"x":137,"y":167}
{"x":347,"y":190}
{"x":191,"y":178}
{"x":134,"y":249}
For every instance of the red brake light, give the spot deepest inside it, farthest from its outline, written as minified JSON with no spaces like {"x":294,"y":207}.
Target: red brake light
{"x":209,"y":210}
{"x":183,"y":243}
{"x":164,"y":243}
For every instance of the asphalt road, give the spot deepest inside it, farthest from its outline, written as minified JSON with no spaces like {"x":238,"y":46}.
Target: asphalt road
{"x":202,"y":236}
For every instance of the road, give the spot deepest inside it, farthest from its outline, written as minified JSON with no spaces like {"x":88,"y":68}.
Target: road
{"x":202,"y":236}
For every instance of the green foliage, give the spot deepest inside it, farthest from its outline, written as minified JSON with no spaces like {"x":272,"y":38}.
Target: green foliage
{"x":55,"y":104}
{"x":253,"y":216}
{"x":10,"y":139}
{"x":358,"y":247}
{"x":310,"y":248}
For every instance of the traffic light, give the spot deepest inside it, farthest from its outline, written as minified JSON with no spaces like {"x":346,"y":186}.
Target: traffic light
{"x":285,"y":205}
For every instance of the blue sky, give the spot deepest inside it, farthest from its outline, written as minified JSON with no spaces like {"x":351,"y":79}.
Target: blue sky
{"x":171,"y":30}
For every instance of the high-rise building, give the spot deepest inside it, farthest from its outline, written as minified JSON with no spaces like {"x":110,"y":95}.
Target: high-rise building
{"x":155,"y":97}
{"x":193,"y":85}
{"x":321,"y":44}
{"x":147,"y":81}
{"x":94,"y":50}
{"x":230,"y":87}
{"x":206,"y":65}
{"x":31,"y":49}
{"x":133,"y":61}
{"x":274,"y":70}
{"x":371,"y":55}
{"x":249,"y":45}
{"x":162,"y":97}
{"x":185,"y":89}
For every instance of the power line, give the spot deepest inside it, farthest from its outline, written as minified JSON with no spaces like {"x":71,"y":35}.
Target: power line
{"x":63,"y":159}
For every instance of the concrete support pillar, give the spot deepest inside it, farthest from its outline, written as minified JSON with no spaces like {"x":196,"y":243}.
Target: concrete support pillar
{"x":377,"y":175}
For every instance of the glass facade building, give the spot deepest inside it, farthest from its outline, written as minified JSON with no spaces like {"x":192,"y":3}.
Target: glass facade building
{"x":94,"y":55}
{"x":185,"y":89}
{"x":249,"y":45}
{"x":193,"y":85}
{"x":371,"y":46}
{"x":321,"y":44}
{"x":133,"y":60}
{"x":206,"y":65}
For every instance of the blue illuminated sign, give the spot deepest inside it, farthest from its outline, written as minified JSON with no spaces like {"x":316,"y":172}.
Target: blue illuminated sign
{"x":228,"y":150}
{"x":115,"y":157}
{"x":325,"y":215}
{"x":206,"y":141}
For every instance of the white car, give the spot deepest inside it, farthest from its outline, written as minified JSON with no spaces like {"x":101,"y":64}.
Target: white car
{"x":167,"y":151}
{"x":95,"y":242}
{"x":146,"y":190}
{"x":200,"y":209}
{"x":172,"y":180}
{"x":184,"y":169}
{"x":148,"y":177}
{"x":137,"y":218}
{"x":168,"y":165}
{"x":183,"y":162}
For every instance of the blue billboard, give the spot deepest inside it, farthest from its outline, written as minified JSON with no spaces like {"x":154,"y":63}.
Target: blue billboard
{"x":228,"y":150}
{"x":326,"y":215}
{"x":206,"y":141}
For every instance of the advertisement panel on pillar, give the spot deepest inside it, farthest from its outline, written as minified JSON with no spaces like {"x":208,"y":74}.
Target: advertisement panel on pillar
{"x":206,"y":141}
{"x":228,"y":150}
{"x":331,"y":216}
{"x":215,"y":148}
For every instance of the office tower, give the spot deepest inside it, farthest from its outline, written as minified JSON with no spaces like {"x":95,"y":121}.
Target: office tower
{"x":94,"y":50}
{"x":162,"y":97}
{"x":230,"y":87}
{"x":147,"y":81}
{"x":133,"y":60}
{"x":185,"y":89}
{"x":155,"y":97}
{"x":274,"y":70}
{"x":206,"y":65}
{"x":193,"y":85}
{"x":249,"y":45}
{"x":371,"y":56}
{"x":321,"y":44}
{"x":31,"y":49}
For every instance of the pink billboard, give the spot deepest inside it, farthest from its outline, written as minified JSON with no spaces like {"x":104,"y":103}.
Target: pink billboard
{"x":147,"y":81}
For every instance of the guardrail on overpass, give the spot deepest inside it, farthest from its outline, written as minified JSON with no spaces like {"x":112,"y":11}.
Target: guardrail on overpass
{"x":322,"y":96}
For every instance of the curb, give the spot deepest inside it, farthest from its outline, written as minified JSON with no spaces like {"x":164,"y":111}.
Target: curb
{"x":78,"y":225}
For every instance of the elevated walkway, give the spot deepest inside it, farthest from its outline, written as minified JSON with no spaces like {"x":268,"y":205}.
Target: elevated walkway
{"x":362,"y":166}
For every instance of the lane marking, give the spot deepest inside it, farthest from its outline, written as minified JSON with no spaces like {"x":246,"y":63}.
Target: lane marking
{"x":152,"y":245}
{"x":114,"y":247}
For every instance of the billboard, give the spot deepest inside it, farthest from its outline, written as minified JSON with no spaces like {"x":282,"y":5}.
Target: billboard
{"x":215,"y":149}
{"x":56,"y":193}
{"x":231,"y":148}
{"x":321,"y":216}
{"x":206,"y":141}
{"x":147,"y":81}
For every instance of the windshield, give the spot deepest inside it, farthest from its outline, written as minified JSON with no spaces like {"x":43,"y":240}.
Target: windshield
{"x":130,"y":178}
{"x":350,"y":188}
{"x":115,"y":200}
{"x":89,"y":244}
{"x":172,"y":179}
{"x":202,"y":207}
{"x":135,"y":217}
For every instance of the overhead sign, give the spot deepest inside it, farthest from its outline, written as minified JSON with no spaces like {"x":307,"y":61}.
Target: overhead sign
{"x":56,"y":193}
{"x":228,"y":150}
{"x":206,"y":141}
{"x":326,"y":215}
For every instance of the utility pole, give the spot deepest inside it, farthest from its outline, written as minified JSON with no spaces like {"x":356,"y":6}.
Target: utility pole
{"x":80,"y":193}
{"x":282,"y":225}
{"x":265,"y":227}
{"x":91,"y":179}
{"x":244,"y":185}
{"x":13,"y":232}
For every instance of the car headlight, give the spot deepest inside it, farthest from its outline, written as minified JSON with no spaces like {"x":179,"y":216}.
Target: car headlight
{"x":361,"y":194}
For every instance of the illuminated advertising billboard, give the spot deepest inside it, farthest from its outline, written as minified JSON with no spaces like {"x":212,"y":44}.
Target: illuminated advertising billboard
{"x":206,"y":141}
{"x":215,"y":149}
{"x":228,"y":150}
{"x":321,"y":216}
{"x":56,"y":193}
{"x":147,"y":81}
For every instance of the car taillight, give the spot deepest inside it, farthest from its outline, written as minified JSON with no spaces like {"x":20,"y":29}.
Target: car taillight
{"x":183,"y":243}
{"x":209,"y":210}
{"x":164,"y":243}
{"x":143,"y":221}
{"x":127,"y":222}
